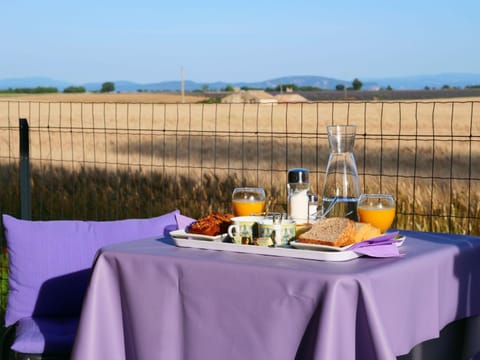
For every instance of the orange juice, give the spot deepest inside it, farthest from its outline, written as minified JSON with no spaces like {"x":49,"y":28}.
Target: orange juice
{"x":379,"y":217}
{"x":247,"y":207}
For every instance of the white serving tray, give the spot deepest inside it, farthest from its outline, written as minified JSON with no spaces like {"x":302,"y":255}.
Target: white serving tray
{"x":262,"y":250}
{"x":399,"y":240}
{"x":182,"y":234}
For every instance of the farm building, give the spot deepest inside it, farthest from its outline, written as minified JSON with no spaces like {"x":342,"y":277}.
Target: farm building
{"x":290,"y":98}
{"x":249,"y":96}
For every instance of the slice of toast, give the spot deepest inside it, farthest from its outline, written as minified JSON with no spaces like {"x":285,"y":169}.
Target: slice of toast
{"x":335,"y":231}
{"x":365,"y":231}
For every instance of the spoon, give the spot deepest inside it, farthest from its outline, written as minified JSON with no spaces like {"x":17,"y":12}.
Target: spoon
{"x":330,"y":207}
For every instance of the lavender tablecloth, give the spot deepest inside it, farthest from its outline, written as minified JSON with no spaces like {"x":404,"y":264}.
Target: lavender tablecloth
{"x":148,"y":299}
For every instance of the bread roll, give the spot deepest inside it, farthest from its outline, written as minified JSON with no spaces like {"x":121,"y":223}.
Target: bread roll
{"x":212,"y":225}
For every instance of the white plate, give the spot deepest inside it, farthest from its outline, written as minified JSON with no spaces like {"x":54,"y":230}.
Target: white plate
{"x":182,"y":234}
{"x":272,"y":251}
{"x":305,"y":246}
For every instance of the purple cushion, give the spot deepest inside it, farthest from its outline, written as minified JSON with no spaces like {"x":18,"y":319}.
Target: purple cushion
{"x":45,"y":335}
{"x":50,"y":260}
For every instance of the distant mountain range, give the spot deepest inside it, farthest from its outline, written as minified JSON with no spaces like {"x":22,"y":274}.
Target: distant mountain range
{"x":436,"y":81}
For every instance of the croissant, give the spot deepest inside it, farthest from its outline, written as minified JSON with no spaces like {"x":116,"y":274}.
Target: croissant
{"x":212,"y":225}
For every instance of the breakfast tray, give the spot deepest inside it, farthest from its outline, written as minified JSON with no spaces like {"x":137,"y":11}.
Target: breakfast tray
{"x":295,"y":249}
{"x":263,"y":250}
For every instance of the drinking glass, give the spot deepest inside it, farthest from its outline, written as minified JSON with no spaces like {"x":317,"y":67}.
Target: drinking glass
{"x":377,"y":210}
{"x":248,"y":200}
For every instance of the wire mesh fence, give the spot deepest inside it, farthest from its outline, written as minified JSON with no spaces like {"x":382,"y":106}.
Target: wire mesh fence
{"x":104,"y":161}
{"x":113,"y":160}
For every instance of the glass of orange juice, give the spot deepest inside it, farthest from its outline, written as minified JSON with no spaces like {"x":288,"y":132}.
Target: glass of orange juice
{"x":248,"y":200}
{"x":377,"y":210}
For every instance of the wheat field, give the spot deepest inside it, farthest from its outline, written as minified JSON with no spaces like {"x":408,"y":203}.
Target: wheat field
{"x":424,"y":152}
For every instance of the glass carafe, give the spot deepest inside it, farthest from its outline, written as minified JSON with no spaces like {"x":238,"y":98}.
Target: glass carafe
{"x":341,"y":188}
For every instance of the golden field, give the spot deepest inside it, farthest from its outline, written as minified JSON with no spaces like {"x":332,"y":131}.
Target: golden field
{"x":166,"y":98}
{"x":425,"y":152}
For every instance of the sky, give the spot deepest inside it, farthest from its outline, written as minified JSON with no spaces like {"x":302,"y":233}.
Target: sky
{"x":150,"y":41}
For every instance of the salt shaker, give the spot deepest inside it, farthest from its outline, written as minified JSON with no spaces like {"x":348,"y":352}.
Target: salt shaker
{"x":298,"y":188}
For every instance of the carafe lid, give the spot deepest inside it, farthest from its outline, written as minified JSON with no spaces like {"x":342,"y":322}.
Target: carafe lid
{"x":298,"y":176}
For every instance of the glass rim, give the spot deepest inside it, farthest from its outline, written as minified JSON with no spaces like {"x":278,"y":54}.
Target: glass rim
{"x":351,"y":127}
{"x":376,"y":195}
{"x":249,"y":188}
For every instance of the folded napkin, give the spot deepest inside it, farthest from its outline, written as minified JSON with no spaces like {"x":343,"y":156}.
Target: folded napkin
{"x":183,"y":222}
{"x":380,"y":246}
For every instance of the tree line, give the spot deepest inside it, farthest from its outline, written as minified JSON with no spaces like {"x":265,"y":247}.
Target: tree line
{"x":105,"y":88}
{"x":356,"y":85}
{"x":109,"y":86}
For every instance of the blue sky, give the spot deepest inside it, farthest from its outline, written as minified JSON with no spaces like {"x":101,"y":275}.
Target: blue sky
{"x":149,"y":41}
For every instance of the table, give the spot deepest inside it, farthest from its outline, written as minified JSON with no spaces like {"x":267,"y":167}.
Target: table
{"x":148,"y":299}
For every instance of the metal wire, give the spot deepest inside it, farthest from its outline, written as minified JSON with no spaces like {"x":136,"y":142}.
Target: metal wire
{"x":138,"y":145}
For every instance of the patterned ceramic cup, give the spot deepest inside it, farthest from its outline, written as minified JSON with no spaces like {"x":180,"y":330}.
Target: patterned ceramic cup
{"x":244,"y":229}
{"x":281,"y":233}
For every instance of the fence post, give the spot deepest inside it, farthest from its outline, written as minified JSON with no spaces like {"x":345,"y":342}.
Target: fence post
{"x":25,"y":192}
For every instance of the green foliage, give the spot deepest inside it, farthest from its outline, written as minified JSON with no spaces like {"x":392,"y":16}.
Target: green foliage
{"x":35,"y":90}
{"x":340,"y":87}
{"x":253,"y":88}
{"x":287,"y":86}
{"x":472,"y":87}
{"x":211,"y":100}
{"x":293,"y":87}
{"x":309,"y":88}
{"x":74,"y":89}
{"x":3,"y":280}
{"x":282,"y":87}
{"x":107,"y":87}
{"x":356,"y":84}
{"x":229,"y":88}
